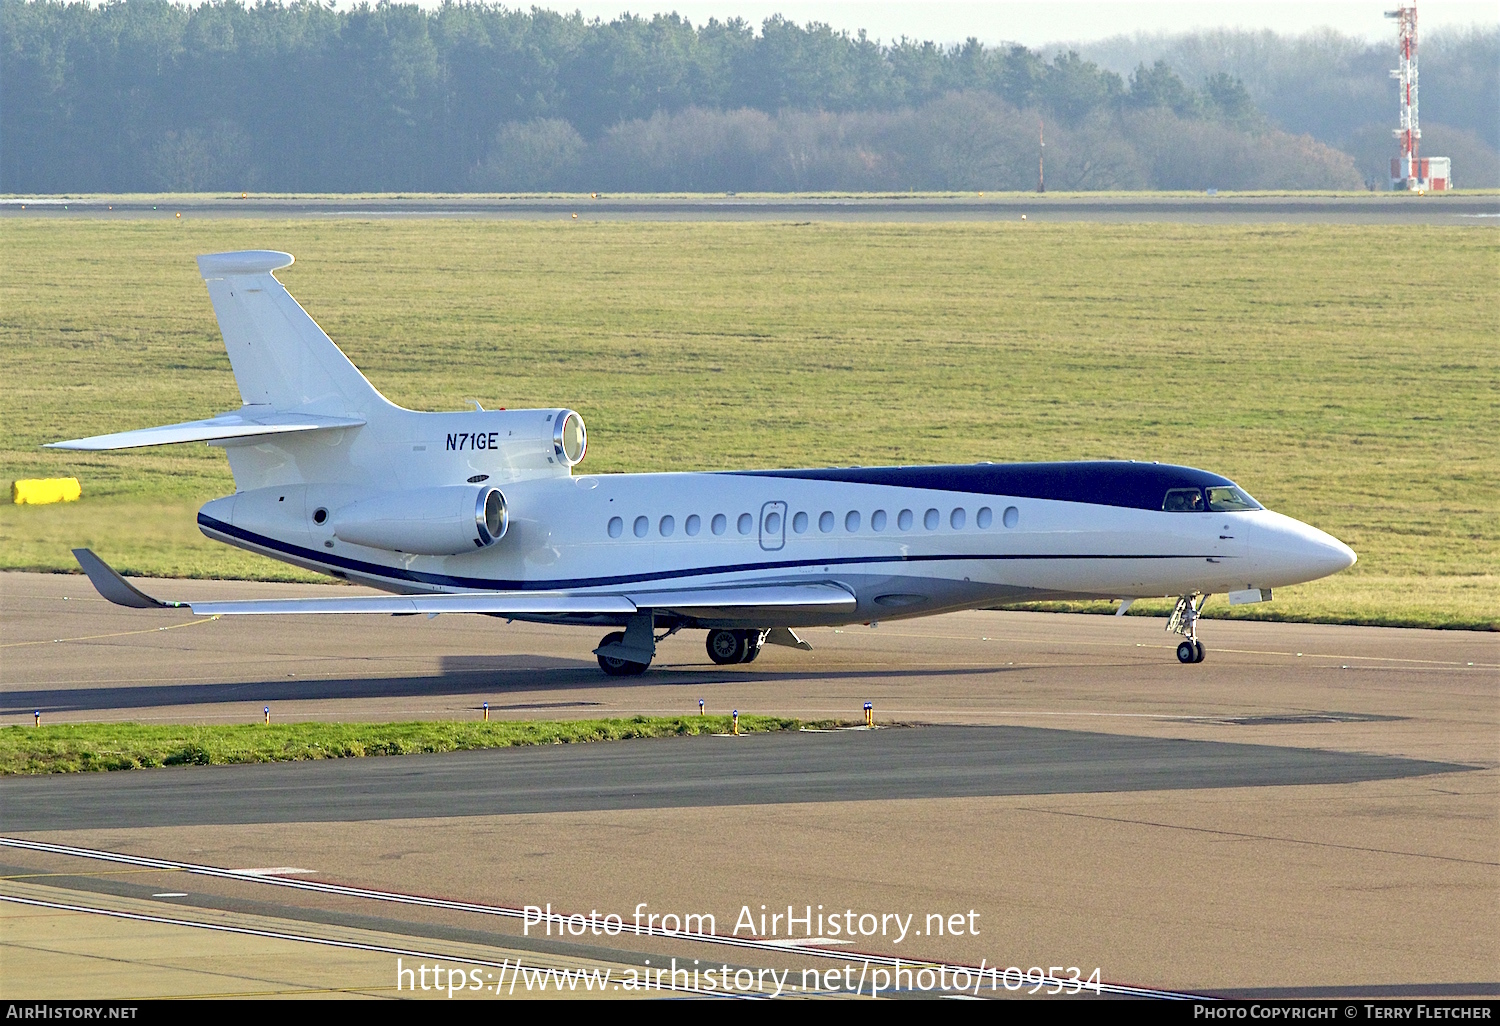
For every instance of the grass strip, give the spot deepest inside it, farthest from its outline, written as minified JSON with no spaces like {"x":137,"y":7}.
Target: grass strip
{"x":1281,"y":355}
{"x":96,"y":747}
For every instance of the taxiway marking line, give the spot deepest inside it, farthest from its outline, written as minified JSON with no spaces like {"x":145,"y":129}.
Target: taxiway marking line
{"x":398,"y":897}
{"x":1260,"y":837}
{"x":117,"y":634}
{"x":249,"y":931}
{"x":1169,"y":645}
{"x":106,"y":872}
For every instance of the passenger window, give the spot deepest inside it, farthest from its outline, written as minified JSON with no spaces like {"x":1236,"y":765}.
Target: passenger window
{"x":825,"y":522}
{"x":667,"y":526}
{"x":692,"y":524}
{"x":642,"y":525}
{"x":1183,"y":500}
{"x":851,"y":520}
{"x":745,"y":523}
{"x":799,"y":523}
{"x":957,"y":519}
{"x":931,"y":519}
{"x":983,"y":518}
{"x":719,"y":524}
{"x":616,"y":527}
{"x":904,"y":520}
{"x":1230,"y":498}
{"x":877,"y":520}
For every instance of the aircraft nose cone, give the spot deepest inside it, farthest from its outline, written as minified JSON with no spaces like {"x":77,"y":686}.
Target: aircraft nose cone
{"x":1340,"y":555}
{"x":1299,"y":552}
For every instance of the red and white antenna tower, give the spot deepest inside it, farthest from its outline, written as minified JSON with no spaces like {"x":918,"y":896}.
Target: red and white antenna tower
{"x":1406,"y":170}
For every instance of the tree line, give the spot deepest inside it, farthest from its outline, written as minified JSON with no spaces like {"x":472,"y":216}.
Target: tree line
{"x":139,"y":95}
{"x":1338,"y":88}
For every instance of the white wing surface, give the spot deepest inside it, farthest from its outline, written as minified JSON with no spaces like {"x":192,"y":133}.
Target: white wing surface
{"x":743,"y":599}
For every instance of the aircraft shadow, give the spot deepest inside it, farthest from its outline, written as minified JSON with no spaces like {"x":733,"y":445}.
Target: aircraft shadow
{"x":484,"y":677}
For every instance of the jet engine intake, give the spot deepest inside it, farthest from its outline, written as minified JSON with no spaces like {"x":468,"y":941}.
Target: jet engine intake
{"x":426,"y":521}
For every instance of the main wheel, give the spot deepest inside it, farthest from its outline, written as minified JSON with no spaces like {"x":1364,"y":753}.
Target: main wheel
{"x":1187,"y":652}
{"x":1198,"y":650}
{"x":725,"y":647}
{"x":754,"y":642}
{"x":619,"y":667}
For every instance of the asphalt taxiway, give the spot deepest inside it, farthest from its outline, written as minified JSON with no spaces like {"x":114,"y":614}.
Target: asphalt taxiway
{"x":1312,"y":811}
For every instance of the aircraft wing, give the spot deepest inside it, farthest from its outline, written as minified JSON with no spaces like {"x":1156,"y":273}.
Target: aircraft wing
{"x":247,"y":422}
{"x":742,"y":600}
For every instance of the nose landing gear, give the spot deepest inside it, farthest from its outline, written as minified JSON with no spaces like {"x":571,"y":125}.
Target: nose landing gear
{"x":1190,"y":652}
{"x":1184,"y":621}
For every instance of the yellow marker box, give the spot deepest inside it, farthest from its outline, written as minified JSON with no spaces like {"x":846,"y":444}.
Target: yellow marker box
{"x":38,"y":491}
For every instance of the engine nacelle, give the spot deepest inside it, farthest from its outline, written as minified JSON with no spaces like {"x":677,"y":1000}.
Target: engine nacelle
{"x":426,"y":521}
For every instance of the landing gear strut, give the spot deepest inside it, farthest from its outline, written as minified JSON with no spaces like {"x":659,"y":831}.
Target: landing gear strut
{"x":629,"y":652}
{"x":615,"y":666}
{"x":1184,"y":621}
{"x":726,"y":647}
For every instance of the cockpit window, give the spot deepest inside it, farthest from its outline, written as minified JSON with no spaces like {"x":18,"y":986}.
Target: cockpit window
{"x":1229,"y":498}
{"x":1183,"y":500}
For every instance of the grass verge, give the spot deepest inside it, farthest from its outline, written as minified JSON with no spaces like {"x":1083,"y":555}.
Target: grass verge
{"x":1283,"y":356}
{"x":93,"y":747}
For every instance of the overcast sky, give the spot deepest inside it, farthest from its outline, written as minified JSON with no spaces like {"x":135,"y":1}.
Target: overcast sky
{"x":1038,"y":22}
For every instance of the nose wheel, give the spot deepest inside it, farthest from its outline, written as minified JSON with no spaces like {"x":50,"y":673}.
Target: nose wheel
{"x":1184,"y":621}
{"x":1190,"y":652}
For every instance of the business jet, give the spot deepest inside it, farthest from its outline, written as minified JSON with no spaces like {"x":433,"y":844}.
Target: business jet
{"x":484,"y":511}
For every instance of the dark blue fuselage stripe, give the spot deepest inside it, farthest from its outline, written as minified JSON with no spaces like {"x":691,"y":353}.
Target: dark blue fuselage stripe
{"x":481,"y":584}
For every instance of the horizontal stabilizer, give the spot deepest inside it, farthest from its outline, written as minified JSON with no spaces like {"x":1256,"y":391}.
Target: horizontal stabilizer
{"x":247,"y":422}
{"x":744,"y":600}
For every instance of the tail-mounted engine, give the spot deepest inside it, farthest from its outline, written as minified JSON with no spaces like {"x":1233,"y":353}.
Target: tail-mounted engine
{"x":425,"y":521}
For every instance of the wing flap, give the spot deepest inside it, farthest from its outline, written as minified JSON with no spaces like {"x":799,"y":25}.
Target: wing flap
{"x":751,"y":599}
{"x":247,"y":422}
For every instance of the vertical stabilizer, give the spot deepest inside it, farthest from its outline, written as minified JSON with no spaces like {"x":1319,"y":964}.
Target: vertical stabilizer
{"x":281,"y":358}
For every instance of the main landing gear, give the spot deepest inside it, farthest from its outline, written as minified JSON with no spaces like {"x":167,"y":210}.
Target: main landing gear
{"x":1184,"y":621}
{"x":629,"y":652}
{"x":616,"y":666}
{"x":726,"y":647}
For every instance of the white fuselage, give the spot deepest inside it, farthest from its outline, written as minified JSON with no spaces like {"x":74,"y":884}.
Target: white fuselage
{"x":902,"y":551}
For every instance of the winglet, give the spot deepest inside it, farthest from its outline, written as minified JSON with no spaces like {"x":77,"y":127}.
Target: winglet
{"x":116,"y":588}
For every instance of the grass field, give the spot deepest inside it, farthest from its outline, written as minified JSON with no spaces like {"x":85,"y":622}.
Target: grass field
{"x":92,"y":747}
{"x":1347,"y":376}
